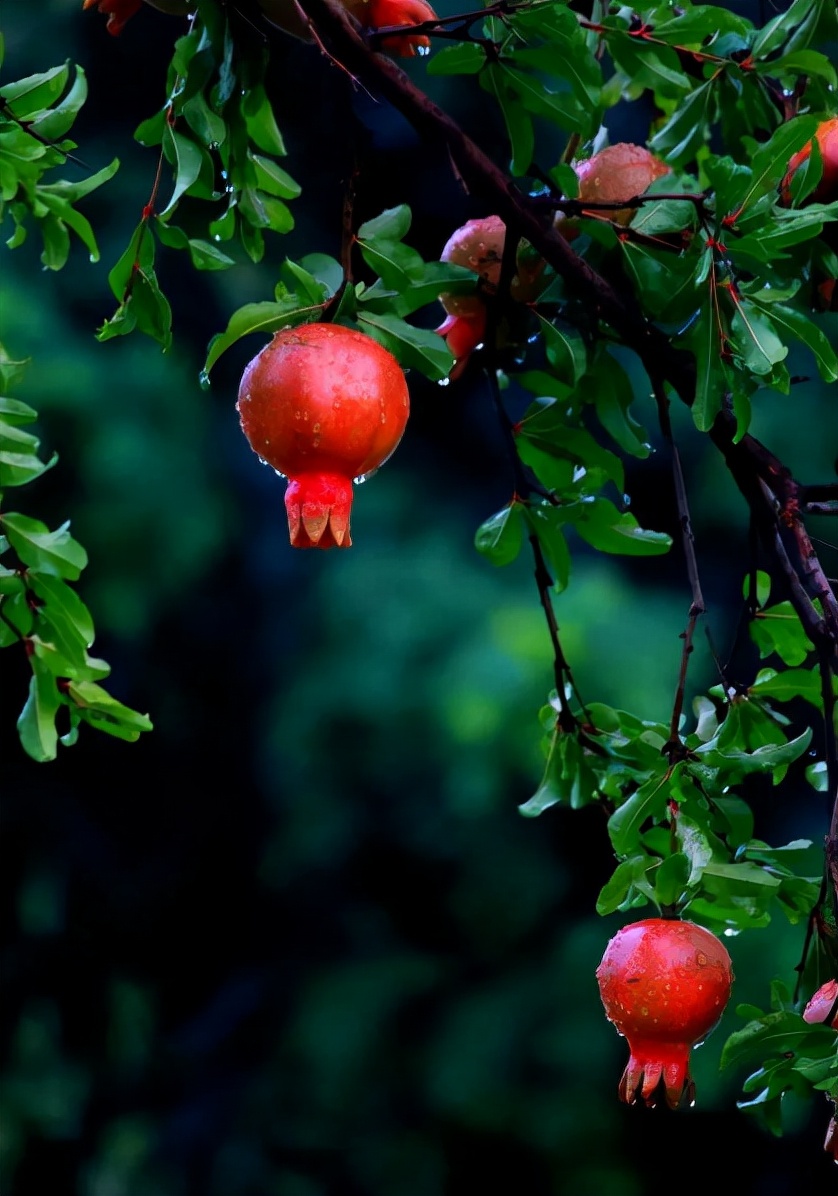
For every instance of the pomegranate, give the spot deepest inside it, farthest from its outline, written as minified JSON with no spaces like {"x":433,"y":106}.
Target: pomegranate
{"x":664,"y":985}
{"x":826,"y":136}
{"x":478,"y":245}
{"x":618,"y":172}
{"x":324,"y":405}
{"x":381,"y":13}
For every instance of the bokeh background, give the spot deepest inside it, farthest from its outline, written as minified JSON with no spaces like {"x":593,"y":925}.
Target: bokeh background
{"x":298,"y":941}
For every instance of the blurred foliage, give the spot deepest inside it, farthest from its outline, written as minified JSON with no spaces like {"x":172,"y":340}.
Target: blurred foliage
{"x":299,"y":940}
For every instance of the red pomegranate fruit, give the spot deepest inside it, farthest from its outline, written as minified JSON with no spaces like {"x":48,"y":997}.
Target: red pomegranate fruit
{"x":664,"y":985}
{"x":380,"y":14}
{"x":826,"y":136}
{"x":478,"y":245}
{"x":324,"y":405}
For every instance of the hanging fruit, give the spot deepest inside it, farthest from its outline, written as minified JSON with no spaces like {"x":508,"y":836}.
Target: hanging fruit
{"x":664,"y":985}
{"x":325,"y":405}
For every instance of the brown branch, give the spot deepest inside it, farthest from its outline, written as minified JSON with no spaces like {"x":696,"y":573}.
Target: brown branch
{"x":752,"y":466}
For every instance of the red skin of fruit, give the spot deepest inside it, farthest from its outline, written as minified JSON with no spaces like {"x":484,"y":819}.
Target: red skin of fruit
{"x":323,"y":404}
{"x":826,"y":135}
{"x":478,"y":245}
{"x":664,"y":984}
{"x":379,"y":14}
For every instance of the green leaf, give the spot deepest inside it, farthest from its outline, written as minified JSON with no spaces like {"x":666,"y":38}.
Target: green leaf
{"x":187,"y":158}
{"x":625,"y":876}
{"x":417,"y":348}
{"x":96,"y":706}
{"x":755,"y":338}
{"x":261,"y":124}
{"x":774,"y":1034}
{"x":789,"y":684}
{"x":799,"y":326}
{"x":36,"y":724}
{"x":604,"y":527}
{"x":464,"y":59}
{"x":500,"y":537}
{"x":770,"y":161}
{"x":259,"y":317}
{"x":517,"y":120}
{"x":671,"y":877}
{"x":36,"y":93}
{"x":567,"y":779}
{"x":684,"y":133}
{"x":612,"y":396}
{"x":710,"y":382}
{"x":648,"y":803}
{"x":54,"y":123}
{"x":546,"y":521}
{"x":272,"y":178}
{"x":55,"y":552}
{"x":565,"y":351}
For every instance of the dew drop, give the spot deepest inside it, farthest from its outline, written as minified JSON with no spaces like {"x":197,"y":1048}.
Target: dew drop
{"x":444,"y":382}
{"x":204,"y":380}
{"x":316,"y":428}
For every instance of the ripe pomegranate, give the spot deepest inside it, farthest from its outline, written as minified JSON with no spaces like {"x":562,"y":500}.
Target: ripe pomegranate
{"x":478,"y":245}
{"x":664,"y":985}
{"x":618,"y":172}
{"x":370,"y":14}
{"x":324,"y":405}
{"x":826,"y":136}
{"x":382,"y":13}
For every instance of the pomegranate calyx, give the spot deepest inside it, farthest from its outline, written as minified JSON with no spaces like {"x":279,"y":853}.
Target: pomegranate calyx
{"x":655,"y":1068}
{"x":318,"y":506}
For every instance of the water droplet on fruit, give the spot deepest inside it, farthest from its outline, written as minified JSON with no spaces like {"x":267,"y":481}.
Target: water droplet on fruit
{"x":383,"y":418}
{"x":336,"y":404}
{"x":316,"y":428}
{"x":298,"y":415}
{"x":315,"y":442}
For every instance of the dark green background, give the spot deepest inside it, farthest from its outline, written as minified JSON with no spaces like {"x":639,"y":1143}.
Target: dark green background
{"x":299,"y":941}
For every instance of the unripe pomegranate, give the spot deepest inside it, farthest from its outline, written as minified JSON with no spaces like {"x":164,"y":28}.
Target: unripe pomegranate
{"x":324,"y":405}
{"x":826,"y":136}
{"x":618,"y":172}
{"x":478,"y":245}
{"x":664,"y":985}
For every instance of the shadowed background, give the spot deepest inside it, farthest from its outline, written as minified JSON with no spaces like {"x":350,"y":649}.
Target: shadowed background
{"x":299,"y":941}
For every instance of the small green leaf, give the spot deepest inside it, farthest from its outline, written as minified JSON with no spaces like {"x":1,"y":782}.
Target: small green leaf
{"x":417,"y":348}
{"x":36,"y":724}
{"x":500,"y":537}
{"x":259,"y":317}
{"x":187,"y":158}
{"x":56,"y":552}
